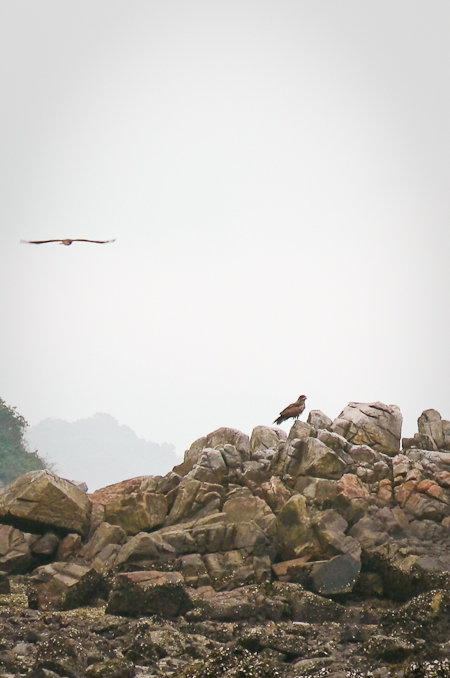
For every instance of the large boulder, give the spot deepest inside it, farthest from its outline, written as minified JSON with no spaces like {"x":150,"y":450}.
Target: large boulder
{"x":373,"y":424}
{"x":431,"y":424}
{"x":104,"y":536}
{"x":15,"y":551}
{"x":216,"y":440}
{"x":137,"y":511}
{"x":138,"y":594}
{"x":265,"y":441}
{"x":64,"y":586}
{"x":292,"y":531}
{"x":41,"y":500}
{"x":239,"y":604}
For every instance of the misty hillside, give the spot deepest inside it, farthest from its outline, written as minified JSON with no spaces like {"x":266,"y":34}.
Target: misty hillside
{"x":99,"y":451}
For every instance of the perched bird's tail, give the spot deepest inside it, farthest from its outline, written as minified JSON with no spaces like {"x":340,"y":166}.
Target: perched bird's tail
{"x":279,"y":421}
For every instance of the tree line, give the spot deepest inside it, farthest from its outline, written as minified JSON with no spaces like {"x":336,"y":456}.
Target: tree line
{"x":15,"y":458}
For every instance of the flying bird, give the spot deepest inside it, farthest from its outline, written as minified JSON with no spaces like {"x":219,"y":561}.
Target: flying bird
{"x":293,"y":410}
{"x":66,"y":241}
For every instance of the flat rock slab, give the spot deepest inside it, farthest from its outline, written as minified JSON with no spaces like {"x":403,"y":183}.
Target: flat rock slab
{"x":140,"y":594}
{"x":40,"y":500}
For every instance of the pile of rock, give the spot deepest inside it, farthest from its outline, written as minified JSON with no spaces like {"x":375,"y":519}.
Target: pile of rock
{"x":274,"y":528}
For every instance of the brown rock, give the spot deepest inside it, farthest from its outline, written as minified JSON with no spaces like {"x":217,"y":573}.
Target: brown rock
{"x":15,"y":553}
{"x":137,"y":594}
{"x":41,"y":499}
{"x":105,"y":534}
{"x":63,"y":586}
{"x":292,"y":531}
{"x":137,"y":511}
{"x":69,"y":546}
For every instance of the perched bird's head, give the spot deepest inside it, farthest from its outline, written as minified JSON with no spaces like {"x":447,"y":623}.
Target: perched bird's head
{"x":303,"y":398}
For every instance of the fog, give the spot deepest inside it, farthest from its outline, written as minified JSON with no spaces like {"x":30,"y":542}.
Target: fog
{"x":276,"y":175}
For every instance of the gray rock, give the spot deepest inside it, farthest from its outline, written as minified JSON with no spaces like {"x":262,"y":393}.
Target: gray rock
{"x":319,"y":420}
{"x":265,"y":441}
{"x":373,"y":424}
{"x":46,"y":545}
{"x":320,"y":461}
{"x":430,"y":424}
{"x":337,"y":575}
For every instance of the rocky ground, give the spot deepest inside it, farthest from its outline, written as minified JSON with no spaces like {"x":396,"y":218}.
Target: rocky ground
{"x":373,"y":638}
{"x":325,"y":552}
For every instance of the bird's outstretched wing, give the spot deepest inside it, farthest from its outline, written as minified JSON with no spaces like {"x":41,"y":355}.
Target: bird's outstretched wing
{"x":66,"y":241}
{"x":39,"y":242}
{"x":100,"y":242}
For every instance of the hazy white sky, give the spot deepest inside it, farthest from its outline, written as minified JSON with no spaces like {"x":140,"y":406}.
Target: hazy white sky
{"x":277,"y":176}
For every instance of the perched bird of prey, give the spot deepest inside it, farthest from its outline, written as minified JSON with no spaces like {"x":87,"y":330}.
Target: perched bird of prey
{"x":66,"y":241}
{"x":293,"y":410}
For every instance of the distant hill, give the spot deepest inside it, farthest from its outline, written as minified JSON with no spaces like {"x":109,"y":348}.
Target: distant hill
{"x":99,"y":451}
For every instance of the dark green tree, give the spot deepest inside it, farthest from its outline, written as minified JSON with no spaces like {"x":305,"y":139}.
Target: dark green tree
{"x":15,"y":459}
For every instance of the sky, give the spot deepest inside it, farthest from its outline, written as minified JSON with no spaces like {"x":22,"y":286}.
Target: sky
{"x":276,"y":174}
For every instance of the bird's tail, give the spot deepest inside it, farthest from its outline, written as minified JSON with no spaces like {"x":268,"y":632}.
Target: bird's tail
{"x":279,"y":421}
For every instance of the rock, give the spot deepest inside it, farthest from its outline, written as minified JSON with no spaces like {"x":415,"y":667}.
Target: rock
{"x":193,"y":497}
{"x":246,"y":510}
{"x":286,"y":461}
{"x":210,"y":468}
{"x":104,"y":535}
{"x":137,"y":594}
{"x":15,"y":552}
{"x":373,"y":424}
{"x":291,"y":570}
{"x":194,"y":571}
{"x":63,"y":586}
{"x":231,"y":662}
{"x":319,"y":492}
{"x":265,"y":441}
{"x":307,"y":606}
{"x":292,"y":531}
{"x":137,"y":511}
{"x":232,"y":569}
{"x":320,"y":461}
{"x":431,"y":425}
{"x":5,"y":587}
{"x":69,"y":546}
{"x":335,"y":576}
{"x":111,"y":492}
{"x":40,"y":500}
{"x":408,"y":569}
{"x":111,"y":668}
{"x":219,"y":438}
{"x":274,"y":493}
{"x":328,"y":577}
{"x":247,"y":602}
{"x":46,"y":545}
{"x":319,"y":420}
{"x":329,"y":528}
{"x":143,"y":550}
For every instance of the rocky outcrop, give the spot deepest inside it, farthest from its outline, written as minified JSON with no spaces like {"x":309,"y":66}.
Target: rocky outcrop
{"x":308,"y":528}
